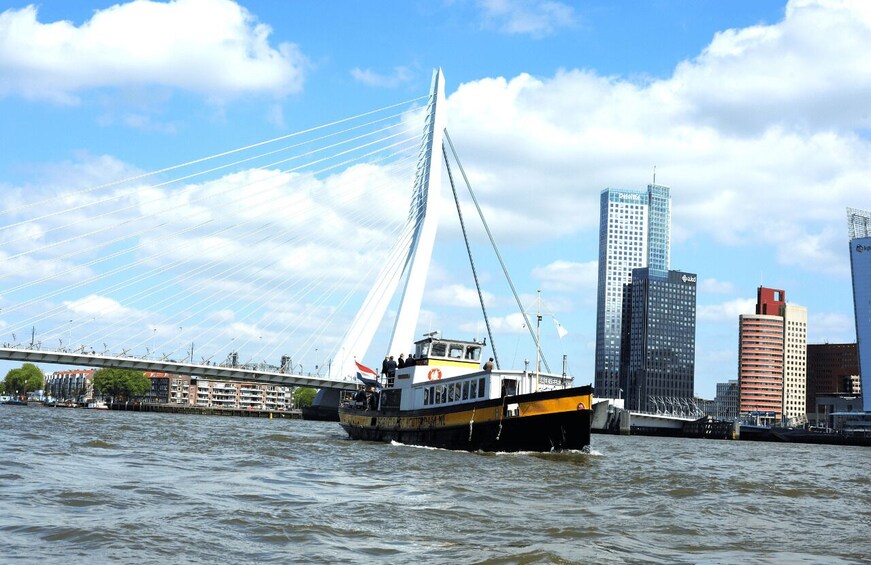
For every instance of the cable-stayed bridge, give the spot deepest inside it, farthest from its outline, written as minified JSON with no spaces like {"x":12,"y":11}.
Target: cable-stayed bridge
{"x":275,"y":262}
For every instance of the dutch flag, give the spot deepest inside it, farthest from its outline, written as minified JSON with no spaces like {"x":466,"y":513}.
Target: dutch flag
{"x":367,"y":375}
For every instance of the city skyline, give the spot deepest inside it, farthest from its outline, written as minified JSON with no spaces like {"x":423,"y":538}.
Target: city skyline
{"x":634,"y":232}
{"x":741,"y":109}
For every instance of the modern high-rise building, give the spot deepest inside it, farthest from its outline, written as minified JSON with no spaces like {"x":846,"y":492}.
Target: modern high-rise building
{"x":859,"y":224}
{"x":760,"y":367}
{"x":790,"y":381}
{"x":634,"y":232}
{"x":794,"y":364}
{"x":659,"y":338}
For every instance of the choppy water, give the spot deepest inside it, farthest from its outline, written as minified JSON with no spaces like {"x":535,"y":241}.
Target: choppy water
{"x":98,"y":486}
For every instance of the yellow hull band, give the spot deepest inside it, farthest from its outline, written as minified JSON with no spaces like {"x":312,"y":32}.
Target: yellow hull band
{"x":463,"y":417}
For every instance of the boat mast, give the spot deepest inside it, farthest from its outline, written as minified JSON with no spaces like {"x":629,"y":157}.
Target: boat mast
{"x":537,"y":341}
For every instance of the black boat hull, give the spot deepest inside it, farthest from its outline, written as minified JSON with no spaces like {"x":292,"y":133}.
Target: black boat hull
{"x":540,"y":423}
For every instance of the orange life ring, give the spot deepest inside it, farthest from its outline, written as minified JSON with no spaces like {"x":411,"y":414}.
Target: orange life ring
{"x":435,"y":373}
{"x":581,"y":406}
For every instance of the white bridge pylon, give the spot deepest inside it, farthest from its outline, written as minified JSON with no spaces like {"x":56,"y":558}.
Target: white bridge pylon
{"x":414,"y":251}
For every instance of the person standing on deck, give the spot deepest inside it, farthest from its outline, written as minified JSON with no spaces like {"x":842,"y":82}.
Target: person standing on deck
{"x":391,"y":371}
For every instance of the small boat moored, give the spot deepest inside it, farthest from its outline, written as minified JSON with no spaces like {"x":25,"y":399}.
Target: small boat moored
{"x":445,"y":400}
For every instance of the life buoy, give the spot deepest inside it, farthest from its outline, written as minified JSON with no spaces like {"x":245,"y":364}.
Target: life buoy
{"x":581,"y":406}
{"x":435,"y":373}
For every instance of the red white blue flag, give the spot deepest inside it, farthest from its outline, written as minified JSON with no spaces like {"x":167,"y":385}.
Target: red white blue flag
{"x":367,"y":375}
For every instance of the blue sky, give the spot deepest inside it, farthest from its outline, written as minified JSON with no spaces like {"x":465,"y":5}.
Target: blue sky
{"x":755,"y":113}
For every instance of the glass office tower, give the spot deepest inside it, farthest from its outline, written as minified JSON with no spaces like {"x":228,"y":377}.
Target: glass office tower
{"x":634,"y":232}
{"x":659,"y":339}
{"x":859,"y":223}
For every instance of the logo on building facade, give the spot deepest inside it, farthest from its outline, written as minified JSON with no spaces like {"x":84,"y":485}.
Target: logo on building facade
{"x":860,"y":248}
{"x":688,"y":279}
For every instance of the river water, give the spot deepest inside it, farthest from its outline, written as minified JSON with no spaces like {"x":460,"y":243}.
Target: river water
{"x":97,"y":486}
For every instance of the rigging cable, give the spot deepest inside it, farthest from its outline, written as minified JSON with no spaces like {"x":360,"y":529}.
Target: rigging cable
{"x":471,"y":261}
{"x":496,"y":250}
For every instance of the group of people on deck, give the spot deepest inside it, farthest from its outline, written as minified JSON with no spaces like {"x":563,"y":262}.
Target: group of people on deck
{"x":390,"y":365}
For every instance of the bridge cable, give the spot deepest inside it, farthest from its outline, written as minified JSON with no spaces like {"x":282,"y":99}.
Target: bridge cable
{"x":215,"y":156}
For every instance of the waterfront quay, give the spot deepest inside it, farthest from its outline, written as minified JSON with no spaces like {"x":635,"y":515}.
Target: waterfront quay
{"x":293,"y":414}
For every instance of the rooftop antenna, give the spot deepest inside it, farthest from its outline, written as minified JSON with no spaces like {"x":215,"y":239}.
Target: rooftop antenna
{"x":654,"y":174}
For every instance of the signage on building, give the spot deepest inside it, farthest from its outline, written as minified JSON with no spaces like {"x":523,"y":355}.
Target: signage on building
{"x":688,"y":279}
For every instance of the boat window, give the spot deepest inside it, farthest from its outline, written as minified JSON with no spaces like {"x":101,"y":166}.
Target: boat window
{"x":439,"y":349}
{"x":466,"y":390}
{"x":509,"y":387}
{"x":425,"y":396}
{"x":422,"y":350}
{"x":450,"y":393}
{"x":456,"y":351}
{"x":441,"y":394}
{"x":481,"y":387}
{"x":458,"y":391}
{"x":473,"y":390}
{"x":473,"y":352}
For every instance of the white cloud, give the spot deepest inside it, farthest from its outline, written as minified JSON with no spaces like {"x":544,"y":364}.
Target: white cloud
{"x":762,"y":138}
{"x":458,"y":295}
{"x":726,"y":311}
{"x":714,"y":286}
{"x":215,"y":48}
{"x":399,"y":76}
{"x":536,"y":18}
{"x":831,"y":327}
{"x":568,"y":276}
{"x":96,"y":305}
{"x":510,"y":324}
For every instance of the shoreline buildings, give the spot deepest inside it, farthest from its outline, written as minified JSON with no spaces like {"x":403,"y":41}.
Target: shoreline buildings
{"x":180,"y":390}
{"x":859,"y":225}
{"x":646,"y":314}
{"x":634,"y":232}
{"x":772,"y":360}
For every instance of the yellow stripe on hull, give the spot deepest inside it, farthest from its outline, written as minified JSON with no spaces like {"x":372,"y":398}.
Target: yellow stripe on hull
{"x":463,"y":416}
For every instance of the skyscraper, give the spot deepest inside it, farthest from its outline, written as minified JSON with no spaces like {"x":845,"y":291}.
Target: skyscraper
{"x":634,"y":232}
{"x":760,"y":367}
{"x":764,"y":377}
{"x":859,"y":224}
{"x":794,"y":363}
{"x":659,"y":338}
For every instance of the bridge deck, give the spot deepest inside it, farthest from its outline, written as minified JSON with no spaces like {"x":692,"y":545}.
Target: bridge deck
{"x":212,"y":372}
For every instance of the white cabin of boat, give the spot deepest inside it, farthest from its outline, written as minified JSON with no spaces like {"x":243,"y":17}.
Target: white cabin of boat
{"x":449,"y":372}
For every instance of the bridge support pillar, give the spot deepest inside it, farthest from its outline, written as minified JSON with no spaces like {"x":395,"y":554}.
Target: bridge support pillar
{"x":325,"y":406}
{"x":625,"y":423}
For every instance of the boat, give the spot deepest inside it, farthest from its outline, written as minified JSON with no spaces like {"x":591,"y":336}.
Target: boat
{"x":97,"y":405}
{"x":446,"y":400}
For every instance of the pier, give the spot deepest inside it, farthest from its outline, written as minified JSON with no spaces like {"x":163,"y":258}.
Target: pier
{"x":294,"y":414}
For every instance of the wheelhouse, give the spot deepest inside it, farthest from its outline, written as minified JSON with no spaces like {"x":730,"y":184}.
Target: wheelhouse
{"x":433,"y":350}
